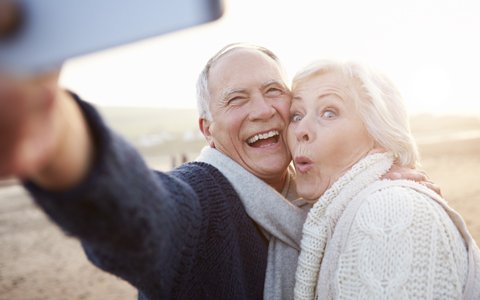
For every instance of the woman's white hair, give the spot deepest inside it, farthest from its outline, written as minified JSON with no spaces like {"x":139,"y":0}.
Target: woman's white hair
{"x":203,"y":96}
{"x":378,"y":102}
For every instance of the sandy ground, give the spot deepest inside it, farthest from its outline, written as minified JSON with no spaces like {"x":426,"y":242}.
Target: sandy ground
{"x":37,"y":261}
{"x":455,"y":167}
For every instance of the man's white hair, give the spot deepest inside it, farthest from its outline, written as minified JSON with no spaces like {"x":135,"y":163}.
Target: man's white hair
{"x":203,"y":95}
{"x":378,"y":103}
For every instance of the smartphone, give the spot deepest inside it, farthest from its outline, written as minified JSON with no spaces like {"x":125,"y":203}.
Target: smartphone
{"x":52,"y":31}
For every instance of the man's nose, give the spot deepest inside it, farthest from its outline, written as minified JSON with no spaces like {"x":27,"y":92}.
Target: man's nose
{"x":261,"y":109}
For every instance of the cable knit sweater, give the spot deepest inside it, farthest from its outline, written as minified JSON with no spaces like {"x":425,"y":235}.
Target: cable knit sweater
{"x":372,"y":239}
{"x":177,"y":235}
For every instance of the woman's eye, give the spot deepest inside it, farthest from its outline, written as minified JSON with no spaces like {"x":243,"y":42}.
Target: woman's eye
{"x":329,"y":114}
{"x":295,"y":118}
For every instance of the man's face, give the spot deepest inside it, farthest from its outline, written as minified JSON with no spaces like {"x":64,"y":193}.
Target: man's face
{"x":249,"y":103}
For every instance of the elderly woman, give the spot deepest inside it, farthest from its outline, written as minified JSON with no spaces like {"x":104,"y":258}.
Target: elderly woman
{"x":367,"y":238}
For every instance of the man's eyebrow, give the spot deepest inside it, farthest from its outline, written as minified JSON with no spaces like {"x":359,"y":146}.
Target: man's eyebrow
{"x":229,"y":91}
{"x":274,"y":82}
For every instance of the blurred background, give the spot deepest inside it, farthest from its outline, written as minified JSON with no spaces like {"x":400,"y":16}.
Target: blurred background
{"x":146,"y":91}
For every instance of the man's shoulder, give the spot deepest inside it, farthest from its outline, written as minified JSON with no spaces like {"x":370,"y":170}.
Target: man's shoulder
{"x":202,"y":177}
{"x":196,"y":170}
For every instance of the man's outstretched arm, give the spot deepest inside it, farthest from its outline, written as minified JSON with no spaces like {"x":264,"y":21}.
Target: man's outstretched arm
{"x":133,"y":222}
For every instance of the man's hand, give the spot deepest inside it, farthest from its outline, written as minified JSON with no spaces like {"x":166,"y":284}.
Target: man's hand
{"x":397,"y":172}
{"x":43,"y":136}
{"x":27,"y":130}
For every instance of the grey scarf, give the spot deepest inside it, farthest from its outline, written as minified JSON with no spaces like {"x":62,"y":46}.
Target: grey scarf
{"x":280,"y":220}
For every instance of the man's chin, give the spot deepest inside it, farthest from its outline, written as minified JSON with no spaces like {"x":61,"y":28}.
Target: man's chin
{"x":269,"y":166}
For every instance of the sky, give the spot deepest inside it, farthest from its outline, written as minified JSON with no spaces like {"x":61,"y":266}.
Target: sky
{"x":429,"y":48}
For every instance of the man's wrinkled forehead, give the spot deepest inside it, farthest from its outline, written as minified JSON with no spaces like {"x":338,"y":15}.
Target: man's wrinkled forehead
{"x":244,"y":62}
{"x":238,"y":56}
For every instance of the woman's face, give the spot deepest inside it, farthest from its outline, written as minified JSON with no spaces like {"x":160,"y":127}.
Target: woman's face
{"x":326,"y":135}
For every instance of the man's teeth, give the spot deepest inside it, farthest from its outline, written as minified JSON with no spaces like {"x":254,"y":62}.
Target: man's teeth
{"x":262,"y":136}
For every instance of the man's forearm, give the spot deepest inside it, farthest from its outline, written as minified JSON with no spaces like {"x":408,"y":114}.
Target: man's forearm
{"x":126,"y":215}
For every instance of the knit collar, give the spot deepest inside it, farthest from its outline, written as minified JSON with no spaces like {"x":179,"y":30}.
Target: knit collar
{"x":364,"y":172}
{"x":322,"y":218}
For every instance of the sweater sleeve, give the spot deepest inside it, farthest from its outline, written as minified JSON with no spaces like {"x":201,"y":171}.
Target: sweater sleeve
{"x":133,"y":222}
{"x":402,"y":245}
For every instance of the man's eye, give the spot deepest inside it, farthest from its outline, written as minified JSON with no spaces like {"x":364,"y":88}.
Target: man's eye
{"x":329,"y":114}
{"x":274,"y":92}
{"x":234,"y":99}
{"x":295,"y":118}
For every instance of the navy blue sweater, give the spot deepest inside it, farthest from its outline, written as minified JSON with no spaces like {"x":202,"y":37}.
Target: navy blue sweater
{"x":177,"y":235}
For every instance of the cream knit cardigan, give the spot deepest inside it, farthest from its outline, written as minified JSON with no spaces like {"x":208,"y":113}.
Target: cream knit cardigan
{"x":367,"y":238}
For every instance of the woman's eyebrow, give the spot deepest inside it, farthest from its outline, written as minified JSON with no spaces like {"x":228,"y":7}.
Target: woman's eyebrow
{"x":321,"y":97}
{"x":336,"y":97}
{"x":296,"y":98}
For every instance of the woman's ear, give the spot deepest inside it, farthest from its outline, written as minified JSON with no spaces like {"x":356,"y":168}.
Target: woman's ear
{"x":204,"y":126}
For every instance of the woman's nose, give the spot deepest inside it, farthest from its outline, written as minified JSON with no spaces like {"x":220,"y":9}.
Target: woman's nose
{"x":302,"y":131}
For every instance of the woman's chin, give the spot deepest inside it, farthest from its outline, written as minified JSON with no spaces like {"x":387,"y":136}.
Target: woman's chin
{"x":309,"y":194}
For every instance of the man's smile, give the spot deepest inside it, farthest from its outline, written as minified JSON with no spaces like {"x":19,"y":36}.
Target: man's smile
{"x":264,"y":139}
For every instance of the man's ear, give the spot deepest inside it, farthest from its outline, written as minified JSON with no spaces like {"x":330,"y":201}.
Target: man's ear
{"x":204,"y":126}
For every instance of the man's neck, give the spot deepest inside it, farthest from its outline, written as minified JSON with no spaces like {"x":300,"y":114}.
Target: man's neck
{"x":278,"y":183}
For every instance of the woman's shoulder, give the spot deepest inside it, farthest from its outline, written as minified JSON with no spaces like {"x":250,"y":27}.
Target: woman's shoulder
{"x":395,"y":192}
{"x":395,"y":202}
{"x":398,"y":231}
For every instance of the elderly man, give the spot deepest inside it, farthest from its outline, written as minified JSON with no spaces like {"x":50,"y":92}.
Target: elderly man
{"x":217,"y":228}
